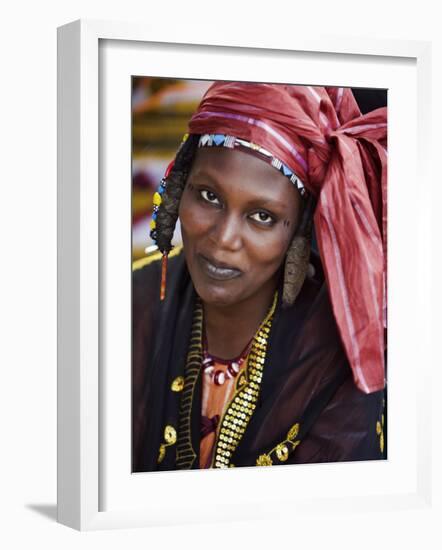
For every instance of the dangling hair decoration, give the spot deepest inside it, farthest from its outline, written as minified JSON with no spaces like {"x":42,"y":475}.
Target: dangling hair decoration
{"x":157,"y":200}
{"x":163,"y":276}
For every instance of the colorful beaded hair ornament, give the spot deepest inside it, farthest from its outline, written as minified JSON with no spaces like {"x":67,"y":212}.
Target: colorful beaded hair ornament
{"x":230,"y":142}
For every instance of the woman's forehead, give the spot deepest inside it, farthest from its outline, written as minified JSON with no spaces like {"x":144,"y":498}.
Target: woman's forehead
{"x":232,"y":169}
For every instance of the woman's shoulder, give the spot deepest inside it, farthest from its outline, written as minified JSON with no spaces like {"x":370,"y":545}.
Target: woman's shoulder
{"x":352,"y":426}
{"x":146,"y":275}
{"x":308,"y":327}
{"x":150,"y":264}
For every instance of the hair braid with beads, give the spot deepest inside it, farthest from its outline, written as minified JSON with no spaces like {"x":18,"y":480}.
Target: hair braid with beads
{"x":298,"y":253}
{"x":175,"y":182}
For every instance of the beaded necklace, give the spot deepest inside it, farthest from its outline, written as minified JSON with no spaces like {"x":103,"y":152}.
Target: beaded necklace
{"x":219,"y":376}
{"x":240,"y":409}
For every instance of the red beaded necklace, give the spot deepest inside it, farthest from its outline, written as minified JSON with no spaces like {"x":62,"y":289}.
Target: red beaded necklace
{"x":233,"y":365}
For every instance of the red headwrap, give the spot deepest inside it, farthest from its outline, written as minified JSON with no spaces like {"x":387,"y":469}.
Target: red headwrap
{"x":340,"y":155}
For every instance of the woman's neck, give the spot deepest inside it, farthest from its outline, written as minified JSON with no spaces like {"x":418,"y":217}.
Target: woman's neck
{"x":230,"y":328}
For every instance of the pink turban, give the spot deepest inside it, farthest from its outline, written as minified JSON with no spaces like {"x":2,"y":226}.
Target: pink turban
{"x":341,"y":157}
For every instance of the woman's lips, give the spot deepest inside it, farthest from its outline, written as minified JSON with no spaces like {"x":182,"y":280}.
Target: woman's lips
{"x":219,"y":272}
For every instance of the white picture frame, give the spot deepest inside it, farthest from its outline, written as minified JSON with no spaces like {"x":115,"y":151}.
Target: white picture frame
{"x":85,"y":50}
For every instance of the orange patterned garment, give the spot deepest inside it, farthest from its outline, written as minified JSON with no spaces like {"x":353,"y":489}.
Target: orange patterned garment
{"x":215,"y":400}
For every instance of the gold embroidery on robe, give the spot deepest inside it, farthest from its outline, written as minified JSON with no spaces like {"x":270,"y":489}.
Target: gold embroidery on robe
{"x":178,"y":384}
{"x":170,"y":439}
{"x":282,"y":451}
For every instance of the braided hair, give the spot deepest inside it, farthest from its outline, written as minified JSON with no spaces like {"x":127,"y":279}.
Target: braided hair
{"x":174,"y":184}
{"x":298,"y":253}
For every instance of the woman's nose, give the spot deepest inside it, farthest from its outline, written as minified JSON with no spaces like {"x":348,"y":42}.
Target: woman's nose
{"x":228,"y":232}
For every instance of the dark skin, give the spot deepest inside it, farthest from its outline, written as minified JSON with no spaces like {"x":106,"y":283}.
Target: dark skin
{"x":238,"y":215}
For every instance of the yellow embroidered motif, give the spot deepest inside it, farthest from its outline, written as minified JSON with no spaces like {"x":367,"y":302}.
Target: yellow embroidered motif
{"x":178,"y":384}
{"x":185,"y":453}
{"x":283,"y":449}
{"x":242,"y":380}
{"x":264,"y":460}
{"x":380,"y":433}
{"x":170,"y":439}
{"x":170,"y":435}
{"x":161,"y":453}
{"x":282,"y":452}
{"x":293,"y":432}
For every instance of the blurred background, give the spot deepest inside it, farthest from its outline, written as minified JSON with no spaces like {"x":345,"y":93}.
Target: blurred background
{"x":161,"y":108}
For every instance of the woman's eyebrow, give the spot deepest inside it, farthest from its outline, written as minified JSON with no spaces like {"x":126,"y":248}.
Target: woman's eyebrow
{"x":267,"y":202}
{"x":201,"y":178}
{"x":256,"y":200}
{"x":201,"y":173}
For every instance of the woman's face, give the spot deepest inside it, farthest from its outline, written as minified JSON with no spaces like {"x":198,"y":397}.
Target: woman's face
{"x":238,"y":215}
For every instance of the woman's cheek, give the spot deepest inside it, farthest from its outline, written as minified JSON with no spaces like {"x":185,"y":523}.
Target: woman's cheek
{"x":272,"y":255}
{"x":196,"y":221}
{"x":270,"y":247}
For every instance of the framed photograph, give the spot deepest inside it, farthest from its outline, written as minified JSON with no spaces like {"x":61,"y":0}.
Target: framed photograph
{"x":157,"y":248}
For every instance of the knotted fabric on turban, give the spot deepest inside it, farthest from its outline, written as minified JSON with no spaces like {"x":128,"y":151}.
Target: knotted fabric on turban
{"x":341,"y":157}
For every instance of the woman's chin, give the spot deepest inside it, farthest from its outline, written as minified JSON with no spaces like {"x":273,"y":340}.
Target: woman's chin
{"x":217,"y":295}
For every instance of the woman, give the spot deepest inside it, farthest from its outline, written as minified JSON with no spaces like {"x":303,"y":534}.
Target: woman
{"x":259,"y":352}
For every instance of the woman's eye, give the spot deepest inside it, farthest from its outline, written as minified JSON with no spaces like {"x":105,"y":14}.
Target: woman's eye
{"x":263,"y":218}
{"x":209,"y":196}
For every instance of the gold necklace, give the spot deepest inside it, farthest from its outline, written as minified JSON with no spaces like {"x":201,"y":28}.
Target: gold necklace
{"x":239,"y":411}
